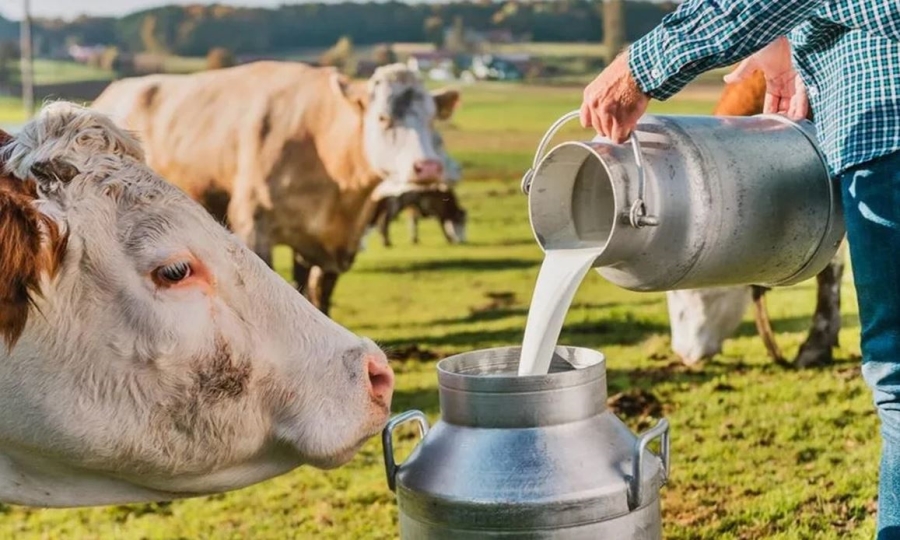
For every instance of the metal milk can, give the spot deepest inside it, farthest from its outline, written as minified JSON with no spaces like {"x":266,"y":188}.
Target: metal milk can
{"x":530,"y":457}
{"x":695,"y":201}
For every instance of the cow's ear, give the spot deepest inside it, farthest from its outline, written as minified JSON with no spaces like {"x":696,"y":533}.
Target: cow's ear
{"x":353,"y":92}
{"x":30,"y":245}
{"x":54,"y":171}
{"x":446,"y":101}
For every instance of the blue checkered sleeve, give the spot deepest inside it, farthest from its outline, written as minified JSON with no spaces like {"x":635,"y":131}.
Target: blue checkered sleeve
{"x":705,"y":34}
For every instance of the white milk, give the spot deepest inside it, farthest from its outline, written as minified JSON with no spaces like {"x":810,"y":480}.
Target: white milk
{"x":558,"y":280}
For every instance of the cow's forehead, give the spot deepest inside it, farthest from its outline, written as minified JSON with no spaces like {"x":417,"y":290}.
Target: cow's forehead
{"x":400,"y":93}
{"x":146,"y":206}
{"x":395,"y":74}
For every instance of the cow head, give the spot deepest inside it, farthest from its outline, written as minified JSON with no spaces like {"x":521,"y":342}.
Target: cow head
{"x":702,"y":319}
{"x":398,"y":113}
{"x":150,"y":355}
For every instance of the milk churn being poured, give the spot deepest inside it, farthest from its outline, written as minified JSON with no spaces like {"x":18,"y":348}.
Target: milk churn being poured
{"x":527,"y":457}
{"x":693,"y":201}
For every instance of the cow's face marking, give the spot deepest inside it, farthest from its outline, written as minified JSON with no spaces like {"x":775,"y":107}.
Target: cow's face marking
{"x":445,"y":102}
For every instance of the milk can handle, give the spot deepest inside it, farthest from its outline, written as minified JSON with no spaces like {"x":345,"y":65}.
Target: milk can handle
{"x":545,"y":140}
{"x":387,"y":441}
{"x":637,"y":215}
{"x":636,"y":484}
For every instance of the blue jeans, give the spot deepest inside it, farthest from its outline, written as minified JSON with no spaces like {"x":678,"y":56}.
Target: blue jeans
{"x":871,"y":197}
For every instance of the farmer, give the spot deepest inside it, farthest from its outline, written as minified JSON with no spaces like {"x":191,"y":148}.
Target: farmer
{"x":843,"y":58}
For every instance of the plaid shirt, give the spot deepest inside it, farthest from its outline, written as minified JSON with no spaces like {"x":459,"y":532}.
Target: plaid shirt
{"x":846,"y":51}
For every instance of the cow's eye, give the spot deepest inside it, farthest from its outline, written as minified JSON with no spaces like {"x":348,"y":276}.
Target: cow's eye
{"x":386,"y":121}
{"x":173,"y":273}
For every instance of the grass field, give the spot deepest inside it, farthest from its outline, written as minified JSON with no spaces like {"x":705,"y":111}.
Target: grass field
{"x":57,"y":71}
{"x":758,"y":451}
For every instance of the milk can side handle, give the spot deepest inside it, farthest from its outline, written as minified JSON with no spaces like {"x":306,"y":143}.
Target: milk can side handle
{"x":387,"y":441}
{"x":635,"y":483}
{"x":638,"y":216}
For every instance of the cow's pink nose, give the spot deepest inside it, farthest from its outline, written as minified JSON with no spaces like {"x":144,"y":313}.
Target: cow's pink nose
{"x":428,"y":169}
{"x":381,"y":378}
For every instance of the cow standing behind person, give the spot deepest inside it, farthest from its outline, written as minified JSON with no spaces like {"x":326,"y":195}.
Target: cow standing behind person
{"x":701,"y":320}
{"x":286,"y":153}
{"x":147,"y":354}
{"x":392,"y":196}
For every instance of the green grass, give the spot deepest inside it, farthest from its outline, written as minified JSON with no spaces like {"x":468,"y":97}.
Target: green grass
{"x":498,"y":125}
{"x":61,"y":71}
{"x":184,"y":64}
{"x":758,"y":451}
{"x":11,"y":110}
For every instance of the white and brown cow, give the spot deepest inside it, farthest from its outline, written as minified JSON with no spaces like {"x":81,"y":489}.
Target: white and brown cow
{"x":148,"y":354}
{"x":439,"y":201}
{"x":286,"y":153}
{"x":701,"y":320}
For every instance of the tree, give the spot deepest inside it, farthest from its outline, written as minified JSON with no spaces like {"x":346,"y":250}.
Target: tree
{"x":148,"y":35}
{"x":109,"y":58}
{"x":456,"y":41}
{"x":219,"y":57}
{"x":384,"y":54}
{"x":434,"y":31}
{"x":340,"y":55}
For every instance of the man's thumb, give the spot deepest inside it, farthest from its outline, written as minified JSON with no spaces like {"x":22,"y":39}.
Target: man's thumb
{"x":744,"y":70}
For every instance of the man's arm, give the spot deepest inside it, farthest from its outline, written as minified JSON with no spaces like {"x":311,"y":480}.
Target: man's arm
{"x":705,"y":34}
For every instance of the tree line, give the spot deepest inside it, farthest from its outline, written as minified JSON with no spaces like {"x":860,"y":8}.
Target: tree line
{"x":195,"y":30}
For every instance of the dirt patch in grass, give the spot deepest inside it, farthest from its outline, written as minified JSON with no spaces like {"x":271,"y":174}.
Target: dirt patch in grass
{"x":413,"y":352}
{"x":637,"y":403}
{"x":497,"y":300}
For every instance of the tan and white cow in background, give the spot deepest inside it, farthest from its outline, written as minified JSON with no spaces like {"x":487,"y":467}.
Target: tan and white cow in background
{"x":286,"y":153}
{"x":147,"y":353}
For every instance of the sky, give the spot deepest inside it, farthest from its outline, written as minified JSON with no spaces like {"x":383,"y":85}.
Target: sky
{"x":12,"y":9}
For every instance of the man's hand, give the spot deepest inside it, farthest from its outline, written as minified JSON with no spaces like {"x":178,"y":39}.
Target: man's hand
{"x":785,"y":93}
{"x":613,"y":102}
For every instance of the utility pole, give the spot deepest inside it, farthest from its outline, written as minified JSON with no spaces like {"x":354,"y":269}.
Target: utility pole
{"x":26,"y":63}
{"x":613,"y":28}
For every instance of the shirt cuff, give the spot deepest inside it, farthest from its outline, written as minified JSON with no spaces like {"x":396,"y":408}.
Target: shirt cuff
{"x":650,"y":67}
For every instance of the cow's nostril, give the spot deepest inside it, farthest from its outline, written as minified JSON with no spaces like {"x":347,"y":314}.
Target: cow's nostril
{"x":429,"y":168}
{"x":381,"y":378}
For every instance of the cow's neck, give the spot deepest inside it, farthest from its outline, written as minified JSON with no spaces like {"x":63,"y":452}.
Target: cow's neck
{"x":33,"y":481}
{"x":341,"y":147}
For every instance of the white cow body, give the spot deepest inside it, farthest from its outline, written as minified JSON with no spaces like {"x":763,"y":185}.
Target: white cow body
{"x":702,"y":319}
{"x":151,"y":354}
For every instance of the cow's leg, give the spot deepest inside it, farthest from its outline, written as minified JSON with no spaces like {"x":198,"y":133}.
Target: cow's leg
{"x":414,"y":225}
{"x":448,"y":230}
{"x":251,"y":225}
{"x":301,"y":275}
{"x":823,"y":336}
{"x":764,"y":324}
{"x":263,"y":248}
{"x":388,"y":213}
{"x":321,"y":287}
